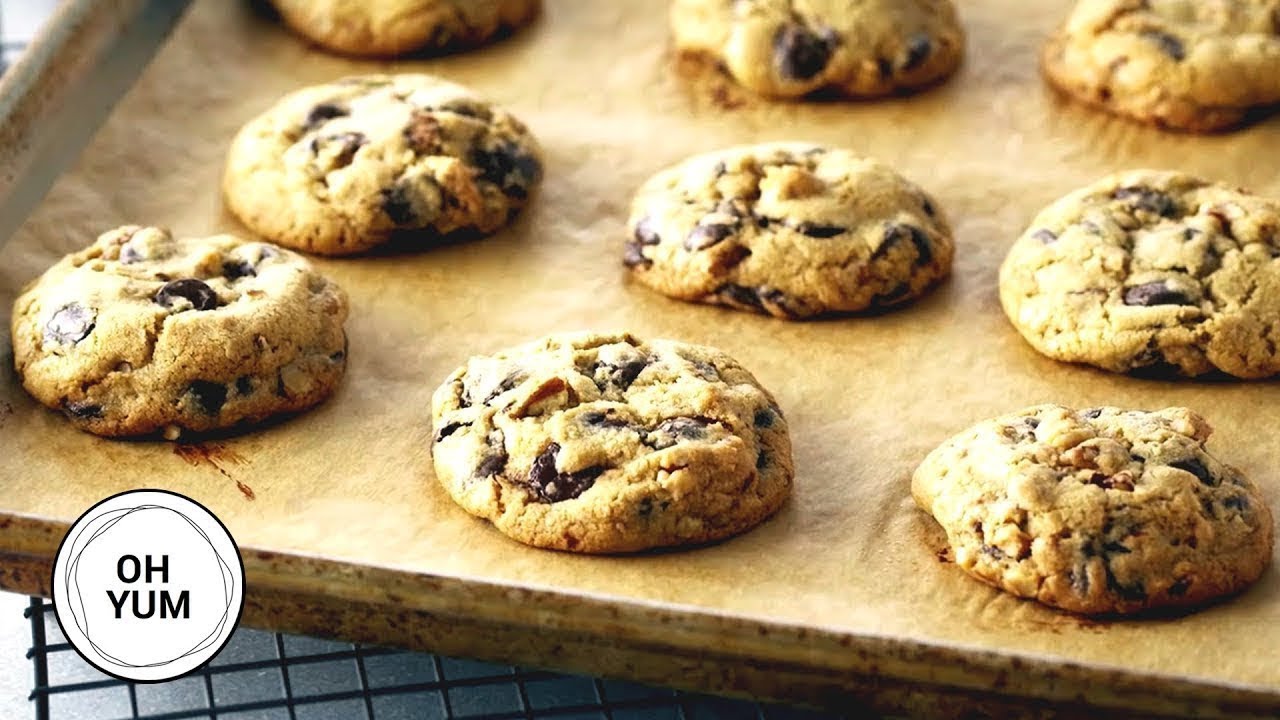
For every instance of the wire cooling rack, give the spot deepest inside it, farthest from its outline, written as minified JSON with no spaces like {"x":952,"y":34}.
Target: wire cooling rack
{"x":268,"y":676}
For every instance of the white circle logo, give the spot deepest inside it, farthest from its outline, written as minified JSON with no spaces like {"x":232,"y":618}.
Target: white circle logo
{"x":148,"y":585}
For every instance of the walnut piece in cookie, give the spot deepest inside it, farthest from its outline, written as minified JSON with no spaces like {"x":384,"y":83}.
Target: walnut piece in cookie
{"x":344,"y":167}
{"x":1097,"y":511}
{"x":1192,"y":65}
{"x":780,"y":48}
{"x":387,"y":28}
{"x":789,"y":229}
{"x":142,"y":332}
{"x":606,"y":443}
{"x":1150,"y":271}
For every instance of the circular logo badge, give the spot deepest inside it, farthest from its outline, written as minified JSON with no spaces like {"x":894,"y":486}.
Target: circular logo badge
{"x":148,"y":585}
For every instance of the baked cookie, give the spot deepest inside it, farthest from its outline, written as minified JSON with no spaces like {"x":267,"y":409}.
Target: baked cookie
{"x":1153,"y":271}
{"x":341,"y":168}
{"x":606,"y":443}
{"x":385,"y":28}
{"x":142,"y":332}
{"x":1197,"y":65}
{"x":781,"y":48}
{"x":1097,"y":511}
{"x":788,"y":229}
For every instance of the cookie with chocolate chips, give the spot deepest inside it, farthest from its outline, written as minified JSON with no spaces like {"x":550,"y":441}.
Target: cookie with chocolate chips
{"x":142,"y":332}
{"x":1189,"y":65}
{"x":606,"y":443}
{"x":1155,"y":272}
{"x":1097,"y":511}
{"x":780,"y":48}
{"x":386,"y":28}
{"x":787,"y":229}
{"x":344,"y":167}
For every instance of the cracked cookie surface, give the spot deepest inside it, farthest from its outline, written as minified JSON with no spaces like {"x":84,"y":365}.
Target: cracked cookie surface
{"x":1197,"y":65}
{"x":385,"y":28}
{"x":789,"y":48}
{"x":141,"y":332}
{"x":605,"y":443}
{"x":787,"y":229}
{"x":1097,"y":511}
{"x":344,"y":167}
{"x":1151,"y":271}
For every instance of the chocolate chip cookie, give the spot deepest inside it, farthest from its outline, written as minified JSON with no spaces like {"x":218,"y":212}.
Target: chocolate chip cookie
{"x":141,"y":332}
{"x":1197,"y":65}
{"x":385,"y":28}
{"x":1157,"y":272}
{"x":344,"y":167}
{"x":1097,"y":511}
{"x":787,"y":229}
{"x":782,"y":48}
{"x":607,"y":443}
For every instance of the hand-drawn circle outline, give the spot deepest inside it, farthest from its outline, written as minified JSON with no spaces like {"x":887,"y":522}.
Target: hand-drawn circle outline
{"x":71,"y":581}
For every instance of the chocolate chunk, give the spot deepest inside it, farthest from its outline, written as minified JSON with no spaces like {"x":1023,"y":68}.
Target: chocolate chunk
{"x":1169,"y":44}
{"x":398,"y":203}
{"x":509,"y":167}
{"x":762,"y":459}
{"x":554,"y":486}
{"x":196,"y":292}
{"x":1239,"y":503}
{"x":513,"y":379}
{"x":1180,"y":587}
{"x":776,"y":302}
{"x":70,"y":324}
{"x":1134,"y":592}
{"x":919,"y":47}
{"x":625,"y":374}
{"x":764,"y":418}
{"x":607,"y":418}
{"x":449,"y":429}
{"x":644,"y":235}
{"x":799,"y":53}
{"x":82,"y":410}
{"x":346,"y":145}
{"x":1152,"y":201}
{"x":739,"y":296}
{"x":673,"y":430}
{"x":821,"y":232}
{"x":236,"y":269}
{"x":320,"y":114}
{"x":704,"y":236}
{"x":1093,"y":413}
{"x":1045,"y":236}
{"x":1197,"y":468}
{"x":422,"y":134}
{"x":244,"y":385}
{"x":1154,"y":293}
{"x":895,"y":233}
{"x":210,"y":396}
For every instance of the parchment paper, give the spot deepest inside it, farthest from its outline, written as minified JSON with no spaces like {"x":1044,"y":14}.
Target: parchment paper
{"x":867,"y":398}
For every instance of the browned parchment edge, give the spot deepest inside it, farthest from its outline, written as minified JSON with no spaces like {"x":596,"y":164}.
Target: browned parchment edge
{"x":667,"y":644}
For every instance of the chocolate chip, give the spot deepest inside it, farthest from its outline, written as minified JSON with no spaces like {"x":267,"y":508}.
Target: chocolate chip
{"x":1134,"y":592}
{"x":129,"y":254}
{"x":1152,"y":201}
{"x":346,"y":145}
{"x":643,"y":235}
{"x":1045,"y":236}
{"x":244,"y":385}
{"x":673,"y":430}
{"x":764,"y":418}
{"x":1154,"y":293}
{"x":83,"y":410}
{"x":762,"y":459}
{"x":1239,"y":503}
{"x":776,"y":302}
{"x":509,"y":167}
{"x":739,"y":296}
{"x":919,"y":47}
{"x":605,"y":418}
{"x":927,"y":206}
{"x":799,"y":53}
{"x":1180,"y":587}
{"x":509,"y":383}
{"x":196,"y":292}
{"x":705,"y":236}
{"x":1093,"y":413}
{"x":821,"y":232}
{"x":449,"y":429}
{"x":320,"y":114}
{"x":210,"y":396}
{"x":466,"y":108}
{"x":625,"y":374}
{"x":398,"y":203}
{"x":494,"y":461}
{"x":895,"y":233}
{"x":422,"y":134}
{"x":554,"y":486}
{"x":70,"y":324}
{"x":1169,"y":44}
{"x":894,"y":296}
{"x":993,"y":552}
{"x":236,"y":269}
{"x":1197,"y":468}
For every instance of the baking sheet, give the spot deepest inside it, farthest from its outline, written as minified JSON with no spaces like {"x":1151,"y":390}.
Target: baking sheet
{"x":867,"y":398}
